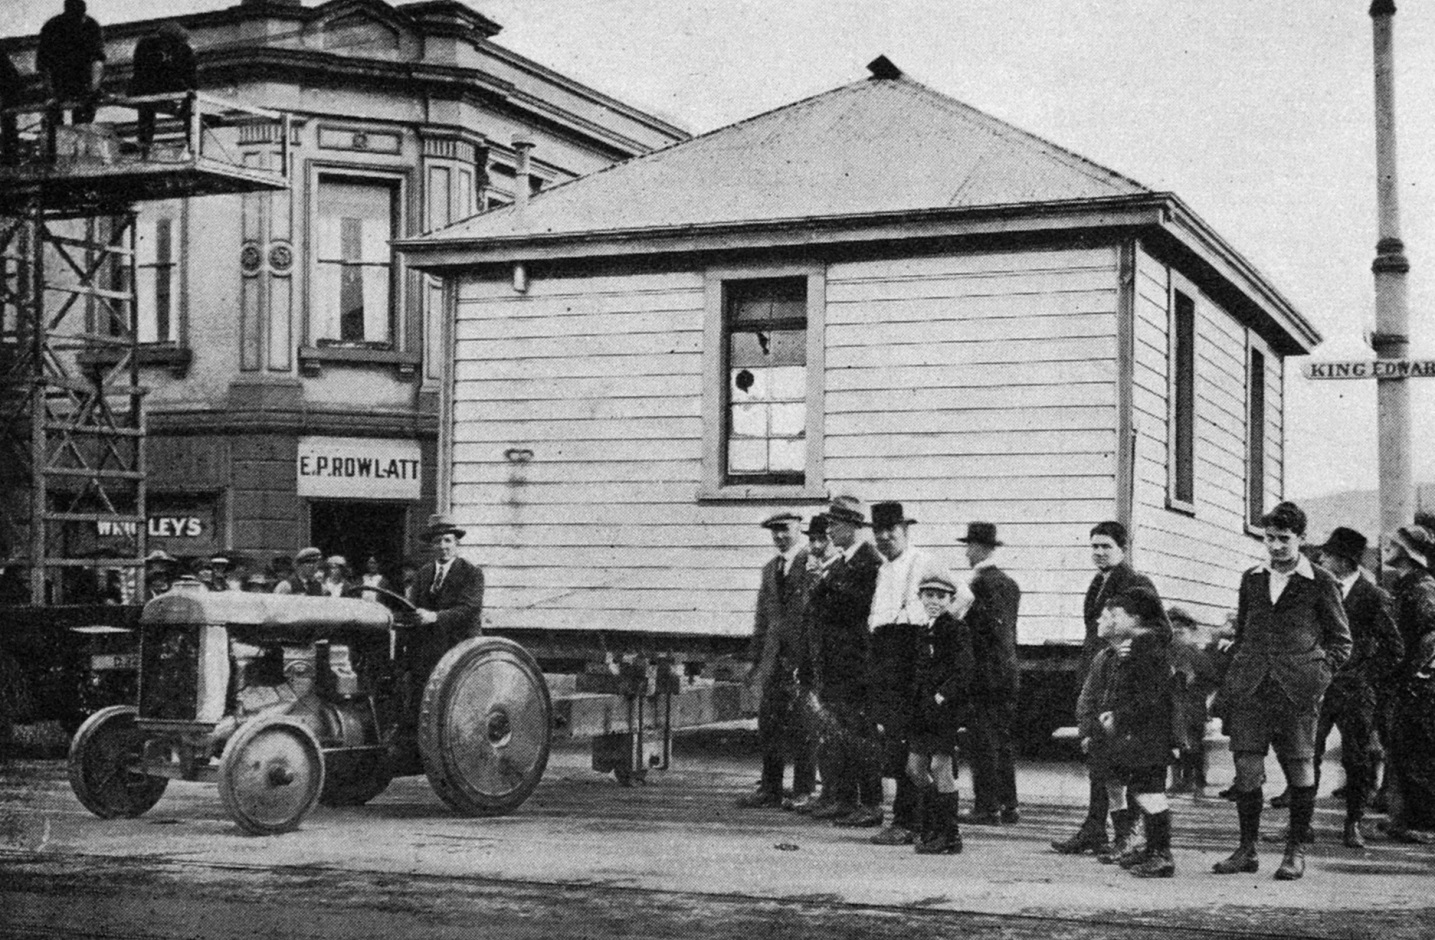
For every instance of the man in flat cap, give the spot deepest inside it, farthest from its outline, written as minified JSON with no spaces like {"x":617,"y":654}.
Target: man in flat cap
{"x":304,"y":579}
{"x":993,"y":712}
{"x":777,"y":651}
{"x":448,"y":595}
{"x":1349,"y":702}
{"x":837,"y":609}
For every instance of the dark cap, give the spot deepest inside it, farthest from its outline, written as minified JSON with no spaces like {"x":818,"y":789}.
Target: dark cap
{"x":1139,"y":602}
{"x":982,"y":533}
{"x":308,"y":555}
{"x":1347,"y":543}
{"x":887,"y":515}
{"x":817,"y":526}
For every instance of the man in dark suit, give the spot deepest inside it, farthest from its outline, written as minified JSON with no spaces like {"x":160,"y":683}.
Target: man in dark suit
{"x":994,"y":795}
{"x":1349,"y":702}
{"x":1292,"y":636}
{"x":838,"y":607}
{"x":1113,"y":576}
{"x":448,"y":595}
{"x":778,"y":648}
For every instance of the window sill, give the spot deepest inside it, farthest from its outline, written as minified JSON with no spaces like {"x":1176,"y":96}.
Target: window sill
{"x":759,"y":492}
{"x":175,"y":358}
{"x":312,"y":359}
{"x":1184,"y":508}
{"x":1255,"y":531}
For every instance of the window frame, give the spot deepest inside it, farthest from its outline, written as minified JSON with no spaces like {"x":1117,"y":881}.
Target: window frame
{"x":1182,"y":414}
{"x":1256,"y":464}
{"x":716,"y":485}
{"x":398,"y":184}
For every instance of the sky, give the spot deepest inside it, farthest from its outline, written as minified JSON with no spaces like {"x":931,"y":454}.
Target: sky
{"x":1258,"y":115}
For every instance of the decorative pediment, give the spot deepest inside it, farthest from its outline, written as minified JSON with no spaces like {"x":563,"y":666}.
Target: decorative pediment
{"x":361,"y":28}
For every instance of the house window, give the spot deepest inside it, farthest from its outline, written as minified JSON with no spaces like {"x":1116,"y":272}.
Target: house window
{"x":1182,"y":457}
{"x":156,"y":280}
{"x":763,"y":408}
{"x":355,"y":302}
{"x":1256,"y":439}
{"x":767,"y":380}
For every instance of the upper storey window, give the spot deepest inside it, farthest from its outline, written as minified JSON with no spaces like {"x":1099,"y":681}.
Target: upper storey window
{"x":355,"y":298}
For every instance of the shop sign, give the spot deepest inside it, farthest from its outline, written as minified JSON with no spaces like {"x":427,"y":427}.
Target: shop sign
{"x":358,"y":468}
{"x":175,"y":526}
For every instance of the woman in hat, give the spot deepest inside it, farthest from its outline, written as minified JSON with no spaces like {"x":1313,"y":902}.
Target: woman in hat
{"x":1411,"y":553}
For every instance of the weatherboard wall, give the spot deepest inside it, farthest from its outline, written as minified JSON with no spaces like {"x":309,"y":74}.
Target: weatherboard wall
{"x":1195,"y":557}
{"x":968,"y":386}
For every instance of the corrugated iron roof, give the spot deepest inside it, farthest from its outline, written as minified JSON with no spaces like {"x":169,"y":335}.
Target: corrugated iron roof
{"x":874,"y":146}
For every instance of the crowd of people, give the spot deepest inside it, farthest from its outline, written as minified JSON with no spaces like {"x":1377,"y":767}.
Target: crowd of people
{"x":307,"y":572}
{"x":872,"y":660}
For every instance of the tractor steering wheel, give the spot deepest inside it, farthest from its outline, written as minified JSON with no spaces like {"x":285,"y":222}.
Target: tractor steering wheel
{"x":405,"y":605}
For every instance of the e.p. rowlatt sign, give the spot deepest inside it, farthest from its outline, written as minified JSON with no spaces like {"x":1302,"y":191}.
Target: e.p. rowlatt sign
{"x":1371,"y":369}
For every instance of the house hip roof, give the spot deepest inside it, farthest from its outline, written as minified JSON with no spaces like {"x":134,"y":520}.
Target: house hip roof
{"x":887,"y":154}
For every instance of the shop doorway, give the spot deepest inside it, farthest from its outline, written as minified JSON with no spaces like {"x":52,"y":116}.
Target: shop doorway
{"x":357,"y":530}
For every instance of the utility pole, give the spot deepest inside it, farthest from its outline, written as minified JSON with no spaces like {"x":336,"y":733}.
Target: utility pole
{"x":1392,"y":313}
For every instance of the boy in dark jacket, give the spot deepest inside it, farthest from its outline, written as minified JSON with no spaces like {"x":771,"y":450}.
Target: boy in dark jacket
{"x":1136,"y":721}
{"x":942,"y":699}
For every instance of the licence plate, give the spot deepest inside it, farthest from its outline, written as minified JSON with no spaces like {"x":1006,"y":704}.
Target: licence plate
{"x":104,"y":662}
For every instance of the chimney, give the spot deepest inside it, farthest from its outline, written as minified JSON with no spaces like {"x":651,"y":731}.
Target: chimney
{"x":884,"y":68}
{"x":522,"y":147}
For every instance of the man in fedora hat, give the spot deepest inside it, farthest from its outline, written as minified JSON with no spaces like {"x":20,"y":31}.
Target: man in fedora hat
{"x":304,"y":579}
{"x":776,"y":653}
{"x":159,"y":568}
{"x":1349,"y":702}
{"x":993,"y":714}
{"x":448,"y":595}
{"x":896,"y":621}
{"x":1292,"y":636}
{"x":837,"y":609}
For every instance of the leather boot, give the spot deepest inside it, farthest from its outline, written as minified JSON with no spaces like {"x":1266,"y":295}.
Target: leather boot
{"x":1353,"y":837}
{"x":1302,"y":809}
{"x":1158,"y":862}
{"x":1245,"y":859}
{"x":1355,"y":790}
{"x":926,"y":820}
{"x":1122,"y":822}
{"x":944,"y":838}
{"x":1091,"y":837}
{"x":1293,"y":865}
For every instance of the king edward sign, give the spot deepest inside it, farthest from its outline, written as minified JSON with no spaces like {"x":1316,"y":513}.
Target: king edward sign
{"x":1371,"y":369}
{"x":358,"y":468}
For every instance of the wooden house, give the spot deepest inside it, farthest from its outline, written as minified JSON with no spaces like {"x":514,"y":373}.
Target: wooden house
{"x":878,"y":291}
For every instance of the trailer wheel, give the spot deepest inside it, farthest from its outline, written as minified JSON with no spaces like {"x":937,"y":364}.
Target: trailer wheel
{"x":485,"y":726}
{"x":104,"y":766}
{"x":271,"y":775}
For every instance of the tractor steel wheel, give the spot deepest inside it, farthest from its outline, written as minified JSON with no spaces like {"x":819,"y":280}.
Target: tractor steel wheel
{"x":271,"y":775}
{"x":104,"y":766}
{"x":485,"y":726}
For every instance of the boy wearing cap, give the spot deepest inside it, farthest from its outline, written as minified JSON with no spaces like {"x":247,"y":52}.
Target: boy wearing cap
{"x":994,"y":795}
{"x":838,"y":607}
{"x":1410,"y":553}
{"x":304,"y":579}
{"x":1349,"y":702}
{"x":942,"y":697}
{"x":1113,"y":576}
{"x":1135,"y":721}
{"x":1291,"y":637}
{"x":895,"y":621}
{"x":777,"y":650}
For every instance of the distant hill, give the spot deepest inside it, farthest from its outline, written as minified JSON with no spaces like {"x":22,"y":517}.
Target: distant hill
{"x":1358,"y":509}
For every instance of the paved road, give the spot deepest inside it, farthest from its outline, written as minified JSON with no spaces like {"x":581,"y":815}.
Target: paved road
{"x":585,"y":858}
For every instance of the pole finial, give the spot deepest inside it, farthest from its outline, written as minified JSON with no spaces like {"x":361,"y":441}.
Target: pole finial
{"x":1382,"y":8}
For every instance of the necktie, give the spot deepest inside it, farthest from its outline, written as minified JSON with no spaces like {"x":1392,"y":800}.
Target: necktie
{"x":781,"y":575}
{"x":440,"y":573}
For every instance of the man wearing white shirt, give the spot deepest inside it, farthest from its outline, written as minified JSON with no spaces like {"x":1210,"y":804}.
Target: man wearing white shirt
{"x":895,"y":620}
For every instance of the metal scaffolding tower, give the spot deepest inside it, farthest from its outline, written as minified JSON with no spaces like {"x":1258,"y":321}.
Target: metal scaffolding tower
{"x":72,"y":420}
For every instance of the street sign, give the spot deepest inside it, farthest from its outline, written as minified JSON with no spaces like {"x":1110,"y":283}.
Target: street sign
{"x":1370,"y":369}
